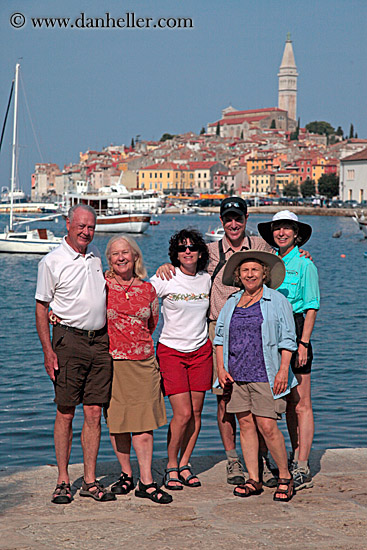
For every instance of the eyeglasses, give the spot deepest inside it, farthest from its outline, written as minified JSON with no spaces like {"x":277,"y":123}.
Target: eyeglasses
{"x":191,"y":247}
{"x":233,"y":204}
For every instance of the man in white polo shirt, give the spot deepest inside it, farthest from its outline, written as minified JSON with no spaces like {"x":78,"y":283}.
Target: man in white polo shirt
{"x":70,"y":281}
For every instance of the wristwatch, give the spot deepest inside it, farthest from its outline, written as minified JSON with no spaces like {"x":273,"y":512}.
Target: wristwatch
{"x":305,"y":344}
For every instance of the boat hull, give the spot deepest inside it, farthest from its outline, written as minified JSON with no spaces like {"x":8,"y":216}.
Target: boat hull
{"x":123,"y":223}
{"x":29,"y":242}
{"x":361,"y":221}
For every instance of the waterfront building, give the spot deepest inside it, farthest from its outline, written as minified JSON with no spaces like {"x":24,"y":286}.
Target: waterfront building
{"x":287,"y":80}
{"x":44,"y":180}
{"x":353,"y":177}
{"x":262,"y":182}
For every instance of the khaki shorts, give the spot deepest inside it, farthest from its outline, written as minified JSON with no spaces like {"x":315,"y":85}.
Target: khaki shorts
{"x":216,"y":391}
{"x":257,"y":398}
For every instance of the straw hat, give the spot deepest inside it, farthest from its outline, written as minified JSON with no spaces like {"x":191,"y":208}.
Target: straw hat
{"x":304,"y":230}
{"x":276,"y":265}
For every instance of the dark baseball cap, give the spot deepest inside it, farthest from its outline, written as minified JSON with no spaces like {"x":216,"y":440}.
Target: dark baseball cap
{"x":233,"y":204}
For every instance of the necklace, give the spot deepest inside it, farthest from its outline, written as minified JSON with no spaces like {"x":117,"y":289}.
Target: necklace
{"x":126,"y":290}
{"x":252,"y":299}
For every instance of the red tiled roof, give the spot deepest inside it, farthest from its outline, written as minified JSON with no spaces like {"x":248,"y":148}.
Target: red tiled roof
{"x":266,"y":110}
{"x":361,"y":155}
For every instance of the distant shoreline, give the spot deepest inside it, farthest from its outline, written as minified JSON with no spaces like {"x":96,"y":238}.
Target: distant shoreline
{"x":301,"y":210}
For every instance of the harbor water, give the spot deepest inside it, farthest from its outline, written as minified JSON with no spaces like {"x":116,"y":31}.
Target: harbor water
{"x":339,"y":376}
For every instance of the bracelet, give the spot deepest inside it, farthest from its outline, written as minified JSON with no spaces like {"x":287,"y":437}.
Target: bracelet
{"x":305,"y":344}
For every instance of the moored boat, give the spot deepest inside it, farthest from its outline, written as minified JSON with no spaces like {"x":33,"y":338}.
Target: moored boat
{"x":136,"y":222}
{"x":30,"y":241}
{"x":361,"y":221}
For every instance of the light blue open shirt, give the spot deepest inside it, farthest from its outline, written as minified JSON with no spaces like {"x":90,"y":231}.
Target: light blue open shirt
{"x":277,"y":332}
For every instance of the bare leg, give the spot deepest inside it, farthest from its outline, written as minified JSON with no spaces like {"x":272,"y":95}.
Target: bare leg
{"x":182,"y":411}
{"x":249,"y":443}
{"x":300,"y":420}
{"x":63,"y":435}
{"x":226,"y":425}
{"x":275,"y":442}
{"x":121,"y":444}
{"x":192,"y":431}
{"x":143,"y":445}
{"x":91,"y":435}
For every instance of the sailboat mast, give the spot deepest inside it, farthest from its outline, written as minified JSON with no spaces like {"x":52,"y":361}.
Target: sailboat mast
{"x":14,"y":147}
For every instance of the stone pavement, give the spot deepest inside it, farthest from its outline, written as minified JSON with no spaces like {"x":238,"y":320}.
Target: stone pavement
{"x":331,"y":515}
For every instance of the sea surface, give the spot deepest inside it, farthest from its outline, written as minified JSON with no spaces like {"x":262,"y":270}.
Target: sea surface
{"x":339,"y":376}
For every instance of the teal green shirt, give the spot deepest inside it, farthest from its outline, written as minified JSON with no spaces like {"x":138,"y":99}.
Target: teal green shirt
{"x":301,"y":283}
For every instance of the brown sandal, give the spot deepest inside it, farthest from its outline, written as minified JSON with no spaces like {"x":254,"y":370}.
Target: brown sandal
{"x":62,"y":494}
{"x":289,"y":491}
{"x":98,"y":493}
{"x":251,"y":488}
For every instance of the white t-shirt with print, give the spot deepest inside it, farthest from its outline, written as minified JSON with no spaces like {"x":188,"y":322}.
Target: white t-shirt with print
{"x":184,"y":309}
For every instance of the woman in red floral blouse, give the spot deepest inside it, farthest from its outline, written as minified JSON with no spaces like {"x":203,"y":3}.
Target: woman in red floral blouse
{"x":137,"y":406}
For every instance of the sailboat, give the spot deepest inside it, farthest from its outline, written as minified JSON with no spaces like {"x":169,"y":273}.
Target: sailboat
{"x":31,"y":241}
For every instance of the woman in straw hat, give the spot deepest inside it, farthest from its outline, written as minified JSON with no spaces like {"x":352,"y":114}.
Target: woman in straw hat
{"x":255,"y":338}
{"x":301,"y":287}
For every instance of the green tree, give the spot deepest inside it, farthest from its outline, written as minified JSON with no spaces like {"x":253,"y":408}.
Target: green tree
{"x":217,"y":132}
{"x":167,"y":136}
{"x":339,"y":131}
{"x":202,"y":131}
{"x":272,"y":125}
{"x":241,"y":134}
{"x":132,"y":143}
{"x":320,"y":127}
{"x":308,"y":188}
{"x":328,"y":185}
{"x":351,"y":131}
{"x":290,"y":190}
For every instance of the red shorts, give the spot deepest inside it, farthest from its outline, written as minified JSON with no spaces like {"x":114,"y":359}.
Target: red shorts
{"x":183,"y":372}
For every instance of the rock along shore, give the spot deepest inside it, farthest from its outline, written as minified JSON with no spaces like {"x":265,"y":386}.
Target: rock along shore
{"x":331,"y":515}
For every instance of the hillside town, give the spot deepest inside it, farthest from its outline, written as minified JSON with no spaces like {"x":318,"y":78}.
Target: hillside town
{"x":253,"y":153}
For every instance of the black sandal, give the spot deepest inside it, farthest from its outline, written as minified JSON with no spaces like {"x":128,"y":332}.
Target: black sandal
{"x":158,"y":496}
{"x":251,"y":488}
{"x":289,"y":492}
{"x":123,"y":485}
{"x":186,"y":481}
{"x":96,"y":493}
{"x":167,"y":480}
{"x":62,"y":494}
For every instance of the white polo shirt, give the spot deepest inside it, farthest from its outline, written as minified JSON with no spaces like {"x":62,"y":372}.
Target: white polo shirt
{"x":74,"y":286}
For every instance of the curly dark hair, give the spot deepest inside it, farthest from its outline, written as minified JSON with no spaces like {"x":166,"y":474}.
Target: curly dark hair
{"x":181,"y":237}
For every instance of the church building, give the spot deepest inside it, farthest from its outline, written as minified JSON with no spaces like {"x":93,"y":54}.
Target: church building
{"x":239,"y":124}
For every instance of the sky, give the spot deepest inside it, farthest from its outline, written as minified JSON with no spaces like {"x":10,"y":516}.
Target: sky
{"x":87,"y":88}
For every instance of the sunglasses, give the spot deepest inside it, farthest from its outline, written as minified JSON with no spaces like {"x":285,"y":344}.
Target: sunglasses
{"x":191,"y":247}
{"x":233,"y":204}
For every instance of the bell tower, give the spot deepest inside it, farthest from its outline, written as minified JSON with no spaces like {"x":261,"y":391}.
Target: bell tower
{"x":287,"y":77}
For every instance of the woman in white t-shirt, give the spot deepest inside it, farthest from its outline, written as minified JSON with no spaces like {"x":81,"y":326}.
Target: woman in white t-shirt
{"x":184,"y":351}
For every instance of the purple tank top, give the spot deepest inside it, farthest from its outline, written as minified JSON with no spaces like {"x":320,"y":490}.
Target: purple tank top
{"x":246,"y":358}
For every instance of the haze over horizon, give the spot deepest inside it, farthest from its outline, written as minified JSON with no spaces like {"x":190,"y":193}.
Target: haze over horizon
{"x":92,"y":87}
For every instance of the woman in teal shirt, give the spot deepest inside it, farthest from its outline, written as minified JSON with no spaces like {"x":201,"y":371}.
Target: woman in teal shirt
{"x":301,"y":287}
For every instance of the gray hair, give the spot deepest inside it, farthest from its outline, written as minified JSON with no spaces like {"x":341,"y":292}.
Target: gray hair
{"x":82,"y":206}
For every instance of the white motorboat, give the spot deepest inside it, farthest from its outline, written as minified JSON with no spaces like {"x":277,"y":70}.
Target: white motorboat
{"x":216,"y":234}
{"x":136,"y":222}
{"x":116,"y":198}
{"x":361,"y":221}
{"x":30,"y":241}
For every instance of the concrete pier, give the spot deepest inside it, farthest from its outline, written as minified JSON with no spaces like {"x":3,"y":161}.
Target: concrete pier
{"x":331,"y":515}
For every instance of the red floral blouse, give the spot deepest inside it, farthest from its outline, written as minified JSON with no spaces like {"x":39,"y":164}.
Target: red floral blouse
{"x":131,"y":322}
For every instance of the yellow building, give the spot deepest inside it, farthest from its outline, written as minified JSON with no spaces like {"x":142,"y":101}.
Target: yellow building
{"x":261,"y":163}
{"x":166,"y":177}
{"x":285,"y":177}
{"x":262,"y":182}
